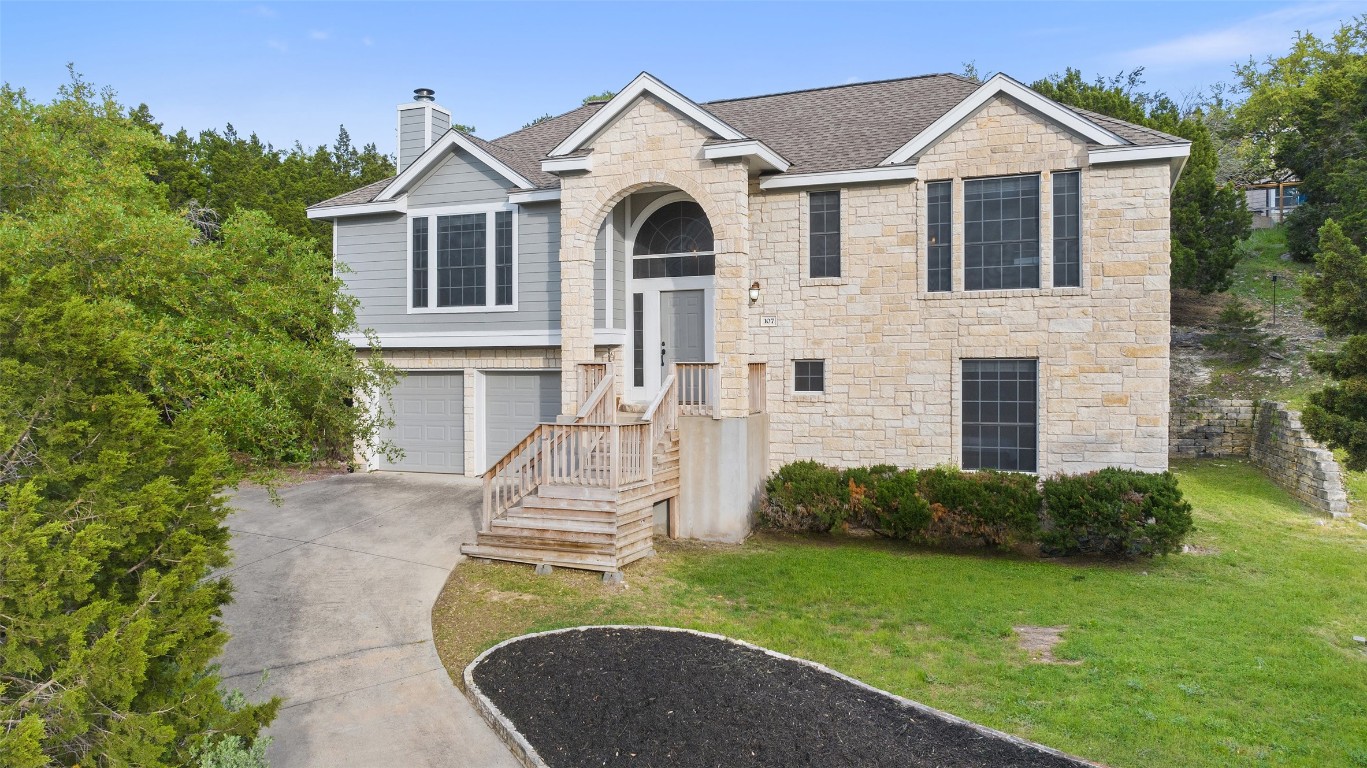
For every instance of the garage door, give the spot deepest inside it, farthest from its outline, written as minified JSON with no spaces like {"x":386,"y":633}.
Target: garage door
{"x":514,"y":403}
{"x":429,"y":423}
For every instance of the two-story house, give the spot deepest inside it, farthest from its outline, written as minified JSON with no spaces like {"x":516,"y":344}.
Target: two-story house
{"x":624,"y":317}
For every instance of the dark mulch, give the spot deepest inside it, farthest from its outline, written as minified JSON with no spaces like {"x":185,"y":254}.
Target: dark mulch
{"x":644,"y":697}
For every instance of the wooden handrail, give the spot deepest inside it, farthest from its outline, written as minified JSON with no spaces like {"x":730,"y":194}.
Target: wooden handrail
{"x":597,"y":407}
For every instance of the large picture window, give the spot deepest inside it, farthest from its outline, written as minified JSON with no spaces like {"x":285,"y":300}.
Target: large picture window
{"x":1001,"y":233}
{"x":1000,"y":414}
{"x":1067,"y":230}
{"x":824,"y":232}
{"x":939,"y":237}
{"x":676,"y":241}
{"x":462,"y":260}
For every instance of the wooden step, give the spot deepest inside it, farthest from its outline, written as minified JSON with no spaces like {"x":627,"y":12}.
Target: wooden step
{"x":581,"y":561}
{"x":551,"y":513}
{"x":538,"y":501}
{"x":574,"y":492}
{"x":553,"y":524}
{"x":546,"y":545}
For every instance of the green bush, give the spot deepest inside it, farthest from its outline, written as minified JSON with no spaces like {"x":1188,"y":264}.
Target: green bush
{"x":1000,"y":508}
{"x":805,"y":496}
{"x":1116,"y":513}
{"x":862,"y":484}
{"x":899,"y":510}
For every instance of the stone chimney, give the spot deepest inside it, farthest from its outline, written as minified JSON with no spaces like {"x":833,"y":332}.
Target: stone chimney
{"x":421,"y":122}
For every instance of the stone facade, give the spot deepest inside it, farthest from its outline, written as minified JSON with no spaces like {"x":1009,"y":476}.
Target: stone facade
{"x":1206,"y":427}
{"x":1287,"y":454}
{"x":893,"y":350}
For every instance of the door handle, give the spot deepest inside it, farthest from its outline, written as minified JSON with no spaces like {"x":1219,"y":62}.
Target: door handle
{"x":662,"y":353}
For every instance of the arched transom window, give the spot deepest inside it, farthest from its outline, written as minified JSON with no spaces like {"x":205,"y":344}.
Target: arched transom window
{"x":676,"y":228}
{"x":676,"y":241}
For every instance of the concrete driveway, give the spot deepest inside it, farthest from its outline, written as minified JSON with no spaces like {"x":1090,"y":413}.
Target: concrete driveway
{"x":334,"y":591}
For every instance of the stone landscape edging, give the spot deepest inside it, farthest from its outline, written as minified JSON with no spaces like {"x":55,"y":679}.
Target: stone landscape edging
{"x":526,"y":754}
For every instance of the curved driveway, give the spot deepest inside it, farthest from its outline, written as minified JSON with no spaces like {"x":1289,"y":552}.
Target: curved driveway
{"x":333,"y":596}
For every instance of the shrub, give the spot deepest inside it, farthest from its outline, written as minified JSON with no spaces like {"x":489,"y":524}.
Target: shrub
{"x":1001,"y":508}
{"x":862,"y":484}
{"x":805,"y":496}
{"x":899,"y":510}
{"x":1116,"y":513}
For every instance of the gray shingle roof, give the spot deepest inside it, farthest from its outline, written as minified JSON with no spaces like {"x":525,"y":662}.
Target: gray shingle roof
{"x":356,"y":196}
{"x":843,"y":127}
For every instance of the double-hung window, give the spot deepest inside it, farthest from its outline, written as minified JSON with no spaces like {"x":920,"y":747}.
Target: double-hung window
{"x":824,"y":233}
{"x":1001,"y":233}
{"x":462,"y":261}
{"x":939,"y":236}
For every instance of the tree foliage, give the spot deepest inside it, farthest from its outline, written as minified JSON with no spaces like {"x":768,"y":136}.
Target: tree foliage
{"x":226,"y":173}
{"x":137,"y":355}
{"x":1337,"y":414}
{"x":1306,"y":112}
{"x":597,"y":97}
{"x":1208,"y":218}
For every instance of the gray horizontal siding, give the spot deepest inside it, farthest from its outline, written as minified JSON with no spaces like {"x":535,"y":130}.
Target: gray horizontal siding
{"x":374,"y":249}
{"x":460,"y":180}
{"x":619,"y":255}
{"x":441,"y":123}
{"x":412,"y":136}
{"x":600,"y":274}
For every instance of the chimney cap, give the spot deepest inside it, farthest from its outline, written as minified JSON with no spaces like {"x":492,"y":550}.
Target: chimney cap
{"x":424,"y":94}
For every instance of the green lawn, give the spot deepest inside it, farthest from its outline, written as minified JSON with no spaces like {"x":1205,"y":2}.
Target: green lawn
{"x":1239,"y":656}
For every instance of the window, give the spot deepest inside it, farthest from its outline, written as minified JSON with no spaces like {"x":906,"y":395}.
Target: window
{"x":461,"y":255}
{"x":824,"y":229}
{"x":677,"y":241}
{"x":463,"y":261}
{"x":999,"y":414}
{"x":809,"y":376}
{"x":638,"y":339}
{"x":1001,"y":233}
{"x":419,"y":262}
{"x":939,"y":237}
{"x":503,"y":258}
{"x":1067,"y":232}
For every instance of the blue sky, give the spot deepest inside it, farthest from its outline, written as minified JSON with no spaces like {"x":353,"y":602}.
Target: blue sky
{"x":295,"y":70}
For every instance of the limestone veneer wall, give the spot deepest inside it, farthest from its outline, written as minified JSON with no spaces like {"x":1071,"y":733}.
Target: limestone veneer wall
{"x":893,"y":351}
{"x":1287,"y":453}
{"x":1207,"y":427}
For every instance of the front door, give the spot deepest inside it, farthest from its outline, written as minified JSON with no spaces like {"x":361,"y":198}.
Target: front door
{"x":683,"y":335}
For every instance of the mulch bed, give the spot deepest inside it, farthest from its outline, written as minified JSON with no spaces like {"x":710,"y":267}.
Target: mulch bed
{"x":649,"y":697}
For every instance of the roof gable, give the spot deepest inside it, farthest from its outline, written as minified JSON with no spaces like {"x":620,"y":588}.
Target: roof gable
{"x":430,"y":159}
{"x":617,"y":105}
{"x":1001,"y":85}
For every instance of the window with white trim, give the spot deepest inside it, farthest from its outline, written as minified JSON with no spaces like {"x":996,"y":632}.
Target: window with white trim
{"x":809,"y":375}
{"x":1001,"y":233}
{"x":1000,"y":414}
{"x":824,"y":233}
{"x":462,"y":261}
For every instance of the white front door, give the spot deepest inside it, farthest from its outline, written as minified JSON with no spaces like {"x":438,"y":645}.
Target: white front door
{"x":671,"y":322}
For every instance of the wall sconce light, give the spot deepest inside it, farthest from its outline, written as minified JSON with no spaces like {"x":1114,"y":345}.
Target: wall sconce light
{"x":754,"y":292}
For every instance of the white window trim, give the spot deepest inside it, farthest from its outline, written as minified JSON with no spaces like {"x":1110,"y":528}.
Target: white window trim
{"x":805,"y":275}
{"x":1081,"y":230}
{"x":963,"y":289}
{"x":490,"y":247}
{"x":813,"y":393}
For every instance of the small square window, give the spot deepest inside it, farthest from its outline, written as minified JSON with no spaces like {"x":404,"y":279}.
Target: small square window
{"x":809,"y":376}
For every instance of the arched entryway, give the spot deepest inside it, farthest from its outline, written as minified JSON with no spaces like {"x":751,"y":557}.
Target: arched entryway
{"x":670,"y":288}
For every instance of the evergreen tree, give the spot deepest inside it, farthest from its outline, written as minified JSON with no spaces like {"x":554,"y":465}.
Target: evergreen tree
{"x":1337,"y":414}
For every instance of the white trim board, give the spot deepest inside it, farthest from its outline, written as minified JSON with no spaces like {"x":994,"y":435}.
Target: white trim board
{"x":831,"y":178}
{"x":1000,"y":84}
{"x":434,"y":154}
{"x":477,"y":339}
{"x":534,"y":196}
{"x":1137,"y":154}
{"x":765,"y":157}
{"x":644,"y":83}
{"x":359,"y":209}
{"x":565,"y":164}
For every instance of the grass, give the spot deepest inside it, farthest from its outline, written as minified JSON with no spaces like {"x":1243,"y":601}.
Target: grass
{"x":1261,"y":259}
{"x":1242,"y":656}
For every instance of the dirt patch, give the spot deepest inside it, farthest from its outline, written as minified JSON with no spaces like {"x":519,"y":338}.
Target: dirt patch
{"x":635,"y":697}
{"x":1039,"y":642}
{"x":1197,"y":549}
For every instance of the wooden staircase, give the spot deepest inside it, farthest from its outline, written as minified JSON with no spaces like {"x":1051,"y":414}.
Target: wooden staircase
{"x":582,"y":495}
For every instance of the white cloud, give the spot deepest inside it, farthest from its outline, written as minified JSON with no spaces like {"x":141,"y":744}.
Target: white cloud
{"x":319,"y":34}
{"x":367,"y":41}
{"x":1258,"y":37}
{"x":278,"y":45}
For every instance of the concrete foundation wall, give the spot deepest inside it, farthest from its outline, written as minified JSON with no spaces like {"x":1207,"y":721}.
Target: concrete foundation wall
{"x":722,"y":466}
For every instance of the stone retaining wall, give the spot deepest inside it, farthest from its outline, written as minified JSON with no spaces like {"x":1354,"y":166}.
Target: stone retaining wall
{"x":1269,"y":435}
{"x":1207,"y":427}
{"x":1286,"y":452}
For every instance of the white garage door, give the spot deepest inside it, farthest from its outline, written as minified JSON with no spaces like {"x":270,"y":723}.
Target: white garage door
{"x":514,"y":403}
{"x":429,"y":423}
